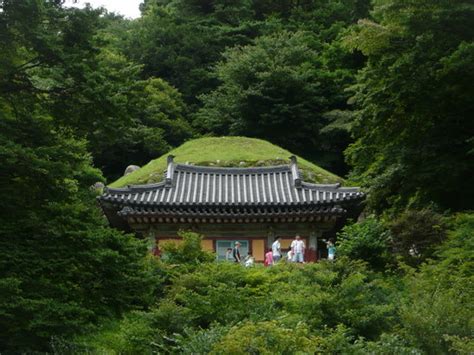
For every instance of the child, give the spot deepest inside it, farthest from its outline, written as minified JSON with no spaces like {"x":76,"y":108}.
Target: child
{"x":290,"y":256}
{"x":249,"y":260}
{"x":268,"y":258}
{"x":228,"y":255}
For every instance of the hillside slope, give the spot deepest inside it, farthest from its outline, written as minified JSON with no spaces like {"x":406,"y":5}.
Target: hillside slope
{"x":226,"y":151}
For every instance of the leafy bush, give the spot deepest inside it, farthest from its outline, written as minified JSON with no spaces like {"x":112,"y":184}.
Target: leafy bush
{"x":265,"y":338}
{"x":199,"y":341}
{"x":321,"y":295}
{"x":390,"y":344}
{"x":416,"y":234}
{"x":188,"y":252}
{"x":333,"y":293}
{"x":367,"y":240}
{"x":437,"y":310}
{"x":327,"y":307}
{"x":223,"y":293}
{"x":135,"y":334}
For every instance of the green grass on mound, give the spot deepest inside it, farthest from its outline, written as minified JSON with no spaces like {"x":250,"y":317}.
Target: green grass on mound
{"x":225,"y":151}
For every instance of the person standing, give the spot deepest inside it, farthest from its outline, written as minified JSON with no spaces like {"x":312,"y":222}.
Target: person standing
{"x":236,"y":252}
{"x":228,"y":254}
{"x":276,"y":250}
{"x":331,"y":249}
{"x":269,"y":258}
{"x":297,"y":249}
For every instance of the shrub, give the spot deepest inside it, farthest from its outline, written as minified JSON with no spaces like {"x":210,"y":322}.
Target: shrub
{"x":265,"y":338}
{"x":329,"y":307}
{"x":223,"y":293}
{"x":332,"y":293}
{"x":437,"y":312}
{"x":133,"y":334}
{"x":367,"y":240}
{"x":199,"y":341}
{"x":416,"y":234}
{"x":390,"y":344}
{"x":320,"y":295}
{"x":188,"y":252}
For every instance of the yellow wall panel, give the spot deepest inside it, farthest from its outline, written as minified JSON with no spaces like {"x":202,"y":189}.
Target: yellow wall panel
{"x":207,"y":244}
{"x":258,"y":249}
{"x":169,"y":240}
{"x":286,"y":242}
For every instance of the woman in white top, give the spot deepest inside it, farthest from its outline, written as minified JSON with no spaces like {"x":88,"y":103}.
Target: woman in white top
{"x":276,"y":250}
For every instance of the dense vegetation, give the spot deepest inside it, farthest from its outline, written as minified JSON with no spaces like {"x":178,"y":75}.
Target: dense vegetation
{"x":379,"y":92}
{"x":328,"y":307}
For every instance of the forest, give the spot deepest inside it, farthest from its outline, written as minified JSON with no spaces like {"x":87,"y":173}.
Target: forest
{"x":379,"y":92}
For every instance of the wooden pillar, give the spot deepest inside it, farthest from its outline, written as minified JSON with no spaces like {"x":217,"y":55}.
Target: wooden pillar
{"x":313,"y":245}
{"x":319,"y":236}
{"x":313,"y":240}
{"x":270,"y":237}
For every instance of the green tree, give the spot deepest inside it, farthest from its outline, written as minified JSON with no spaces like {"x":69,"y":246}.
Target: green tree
{"x":179,"y":40}
{"x":278,"y":85}
{"x":368,"y":240}
{"x":61,"y":267}
{"x":414,"y":129}
{"x":69,"y":61}
{"x":417,"y":234}
{"x":183,"y":40}
{"x":436,"y":313}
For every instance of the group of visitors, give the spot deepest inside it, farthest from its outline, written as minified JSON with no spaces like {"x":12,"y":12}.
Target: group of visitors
{"x":234,"y":254}
{"x":295,"y":254}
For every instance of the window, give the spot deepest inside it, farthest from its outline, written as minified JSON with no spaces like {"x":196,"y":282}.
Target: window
{"x":224,"y":244}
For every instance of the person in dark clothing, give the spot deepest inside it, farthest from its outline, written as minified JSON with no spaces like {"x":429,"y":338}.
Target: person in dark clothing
{"x":236,"y":252}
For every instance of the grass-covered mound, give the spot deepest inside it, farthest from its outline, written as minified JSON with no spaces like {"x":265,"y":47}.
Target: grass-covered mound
{"x":226,"y":151}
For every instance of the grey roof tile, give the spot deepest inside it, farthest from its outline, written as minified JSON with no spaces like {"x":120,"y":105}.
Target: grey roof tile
{"x":199,"y":185}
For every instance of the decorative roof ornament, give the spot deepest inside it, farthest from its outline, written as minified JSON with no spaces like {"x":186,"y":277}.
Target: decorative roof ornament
{"x":295,"y":171}
{"x":170,"y":170}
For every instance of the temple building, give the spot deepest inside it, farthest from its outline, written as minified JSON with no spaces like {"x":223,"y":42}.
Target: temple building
{"x":225,"y":205}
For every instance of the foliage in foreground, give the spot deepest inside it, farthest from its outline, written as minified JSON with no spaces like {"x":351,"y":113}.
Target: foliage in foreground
{"x":332,"y":307}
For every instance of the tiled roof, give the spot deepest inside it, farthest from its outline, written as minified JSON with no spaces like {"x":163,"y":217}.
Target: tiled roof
{"x":188,"y":185}
{"x":230,"y":211}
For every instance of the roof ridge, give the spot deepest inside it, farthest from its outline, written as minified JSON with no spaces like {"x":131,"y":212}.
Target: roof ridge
{"x":232,"y":170}
{"x":133,"y":188}
{"x":337,"y":186}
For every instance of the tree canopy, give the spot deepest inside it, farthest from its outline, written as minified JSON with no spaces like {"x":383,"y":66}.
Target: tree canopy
{"x":414,"y":128}
{"x":378,"y":92}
